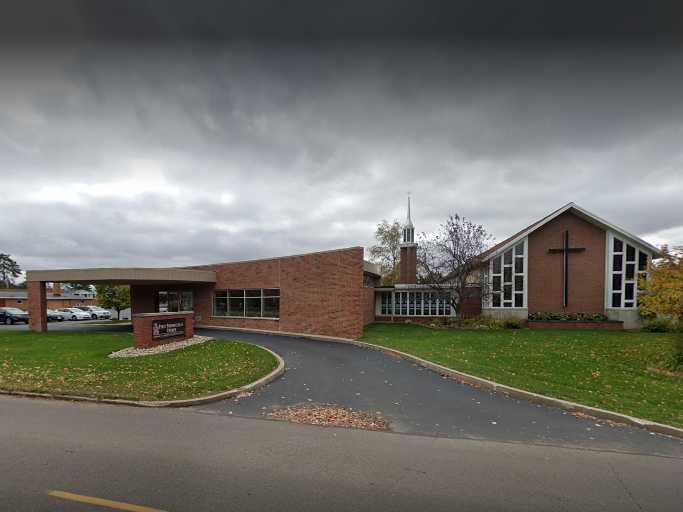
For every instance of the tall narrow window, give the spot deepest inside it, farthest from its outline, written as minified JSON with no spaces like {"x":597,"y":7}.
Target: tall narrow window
{"x":507,"y":278}
{"x":628,"y":272}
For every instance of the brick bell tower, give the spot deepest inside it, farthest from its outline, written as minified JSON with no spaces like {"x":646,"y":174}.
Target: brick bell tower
{"x":408,"y":265}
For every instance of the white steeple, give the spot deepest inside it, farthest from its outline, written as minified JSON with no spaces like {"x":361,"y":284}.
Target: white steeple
{"x":408,"y":228}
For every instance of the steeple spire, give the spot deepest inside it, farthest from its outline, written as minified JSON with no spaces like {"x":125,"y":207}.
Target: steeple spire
{"x":409,"y":221}
{"x":408,"y":228}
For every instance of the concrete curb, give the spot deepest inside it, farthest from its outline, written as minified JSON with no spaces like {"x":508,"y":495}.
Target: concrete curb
{"x":252,"y":386}
{"x":479,"y":382}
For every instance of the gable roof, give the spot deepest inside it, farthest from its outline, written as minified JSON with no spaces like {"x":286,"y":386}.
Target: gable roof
{"x":578,"y":211}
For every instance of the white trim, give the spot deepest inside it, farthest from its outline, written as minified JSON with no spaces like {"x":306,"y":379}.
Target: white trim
{"x":590,"y":217}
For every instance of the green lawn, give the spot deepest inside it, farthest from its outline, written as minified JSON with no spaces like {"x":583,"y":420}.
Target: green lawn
{"x":606,"y":369}
{"x":76,"y":363}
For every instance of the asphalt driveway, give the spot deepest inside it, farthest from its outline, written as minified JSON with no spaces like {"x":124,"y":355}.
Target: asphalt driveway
{"x":419,"y":401}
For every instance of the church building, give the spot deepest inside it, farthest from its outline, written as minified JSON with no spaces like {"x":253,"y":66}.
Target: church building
{"x":569,"y":261}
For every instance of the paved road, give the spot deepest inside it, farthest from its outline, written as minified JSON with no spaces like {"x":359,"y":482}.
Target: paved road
{"x":178,"y":460}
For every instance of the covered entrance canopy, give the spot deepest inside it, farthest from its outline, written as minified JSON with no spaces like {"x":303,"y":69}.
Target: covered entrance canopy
{"x":36,"y":279}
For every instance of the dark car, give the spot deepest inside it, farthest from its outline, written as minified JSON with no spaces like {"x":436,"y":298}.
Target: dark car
{"x":11,"y":316}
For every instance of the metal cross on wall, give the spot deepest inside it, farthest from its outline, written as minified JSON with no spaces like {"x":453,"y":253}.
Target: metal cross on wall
{"x":565,"y":250}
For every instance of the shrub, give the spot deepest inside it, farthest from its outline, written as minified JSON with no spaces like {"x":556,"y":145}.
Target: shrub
{"x":476,"y":322}
{"x":512,"y":323}
{"x":657,"y":325}
{"x":675,"y":362}
{"x":550,"y":316}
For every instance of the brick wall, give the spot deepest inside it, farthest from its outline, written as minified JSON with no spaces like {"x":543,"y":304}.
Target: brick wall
{"x":368,"y":305}
{"x":471,"y":306}
{"x":37,"y":306}
{"x":408,"y":265}
{"x":586,"y":269}
{"x":320,"y":293}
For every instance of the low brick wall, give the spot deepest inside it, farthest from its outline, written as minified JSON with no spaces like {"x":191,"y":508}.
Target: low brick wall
{"x":609,"y":325}
{"x":144,"y":327}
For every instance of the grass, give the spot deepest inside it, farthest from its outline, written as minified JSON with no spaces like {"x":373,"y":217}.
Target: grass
{"x":76,"y":363}
{"x":607,"y":369}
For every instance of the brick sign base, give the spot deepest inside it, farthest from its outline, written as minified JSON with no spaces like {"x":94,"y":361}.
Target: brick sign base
{"x":152,"y":329}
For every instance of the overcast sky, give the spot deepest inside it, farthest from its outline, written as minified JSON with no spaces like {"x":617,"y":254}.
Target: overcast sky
{"x":161,"y":147}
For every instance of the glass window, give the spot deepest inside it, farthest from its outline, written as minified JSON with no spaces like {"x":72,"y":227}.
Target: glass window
{"x":629,"y":291}
{"x":253,"y":305}
{"x":271,"y":307}
{"x":236,"y":306}
{"x":616,"y":281}
{"x":173,"y":303}
{"x":519,"y":265}
{"x":617,"y":260}
{"x":252,"y":302}
{"x":630,"y":270}
{"x":220,"y":304}
{"x":496,"y":265}
{"x":630,"y":253}
{"x":187,"y":303}
{"x":616,"y":300}
{"x":411,"y":303}
{"x":163,"y":302}
{"x":508,"y":276}
{"x":519,"y":283}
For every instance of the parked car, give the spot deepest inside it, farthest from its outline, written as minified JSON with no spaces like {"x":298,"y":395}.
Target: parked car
{"x":12,"y":316}
{"x":96,"y":312}
{"x":74,"y":314}
{"x":54,"y":316}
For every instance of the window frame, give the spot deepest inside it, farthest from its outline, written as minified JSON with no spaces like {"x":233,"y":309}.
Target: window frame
{"x":229,"y":293}
{"x":610,"y":253}
{"x":508,"y":304}
{"x":407,"y":303}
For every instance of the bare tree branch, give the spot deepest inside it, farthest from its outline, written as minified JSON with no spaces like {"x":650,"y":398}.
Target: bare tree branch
{"x":449,"y":260}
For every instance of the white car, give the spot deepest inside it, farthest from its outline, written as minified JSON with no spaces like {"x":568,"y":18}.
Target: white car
{"x":96,"y":312}
{"x":74,"y":314}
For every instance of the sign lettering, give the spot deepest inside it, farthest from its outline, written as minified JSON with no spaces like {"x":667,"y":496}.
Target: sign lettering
{"x":168,"y":328}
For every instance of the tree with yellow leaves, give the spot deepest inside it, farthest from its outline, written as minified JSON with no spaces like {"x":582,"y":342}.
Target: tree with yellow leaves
{"x":663,"y":295}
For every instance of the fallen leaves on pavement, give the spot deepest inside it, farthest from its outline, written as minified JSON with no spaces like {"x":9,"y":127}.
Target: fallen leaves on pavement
{"x":330,"y":415}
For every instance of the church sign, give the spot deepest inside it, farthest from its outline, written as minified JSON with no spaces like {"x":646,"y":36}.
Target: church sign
{"x":168,"y":328}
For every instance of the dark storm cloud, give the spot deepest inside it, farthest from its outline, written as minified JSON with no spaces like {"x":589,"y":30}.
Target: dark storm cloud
{"x":224,"y":20}
{"x":187,"y":153}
